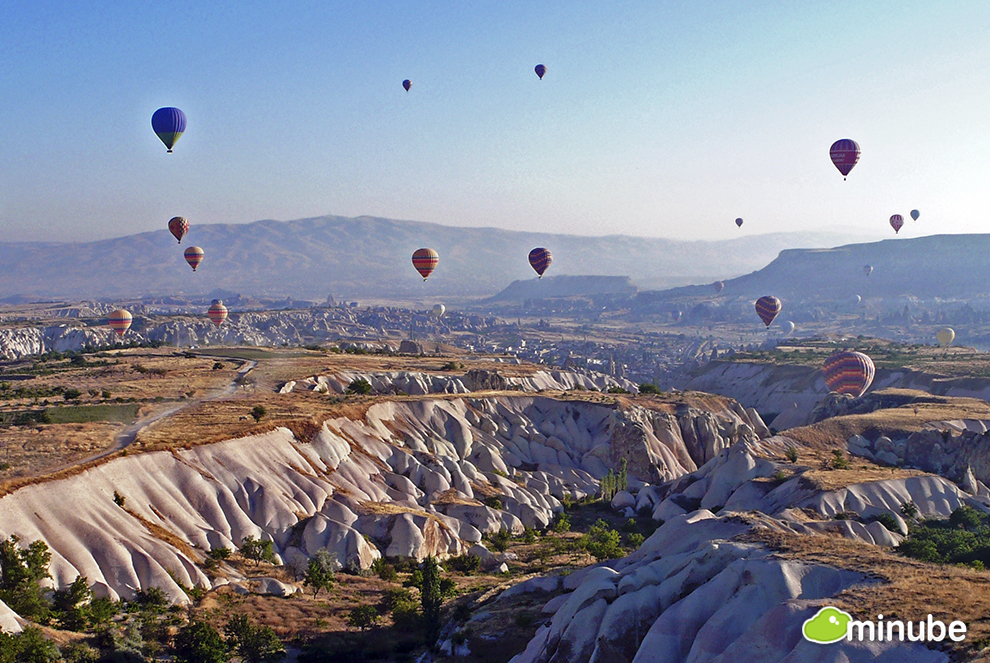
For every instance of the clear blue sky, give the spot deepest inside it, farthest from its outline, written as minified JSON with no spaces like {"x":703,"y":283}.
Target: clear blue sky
{"x":654,"y":118}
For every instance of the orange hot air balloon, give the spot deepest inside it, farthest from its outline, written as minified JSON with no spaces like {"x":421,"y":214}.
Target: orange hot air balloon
{"x":217,"y":312}
{"x":425,"y":261}
{"x":178,"y":226}
{"x":120,"y":321}
{"x":194,"y":256}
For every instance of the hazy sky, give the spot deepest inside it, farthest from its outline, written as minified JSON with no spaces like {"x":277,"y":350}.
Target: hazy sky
{"x":664,"y":119}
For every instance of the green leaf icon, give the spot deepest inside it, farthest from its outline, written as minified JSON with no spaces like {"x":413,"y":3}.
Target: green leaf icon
{"x":827,"y":626}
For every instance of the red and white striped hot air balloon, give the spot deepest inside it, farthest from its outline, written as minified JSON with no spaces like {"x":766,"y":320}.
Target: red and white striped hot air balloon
{"x":194,"y":256}
{"x":425,"y":261}
{"x":217,"y":312}
{"x":120,"y":321}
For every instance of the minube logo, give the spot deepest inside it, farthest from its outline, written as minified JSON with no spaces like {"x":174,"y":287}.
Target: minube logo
{"x":827,"y":626}
{"x":831,"y":625}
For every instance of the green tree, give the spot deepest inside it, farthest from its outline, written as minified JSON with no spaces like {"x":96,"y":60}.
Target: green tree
{"x":254,"y":644}
{"x":258,"y":411}
{"x":71,"y":605}
{"x":319,"y":572}
{"x":28,"y":646}
{"x":363,"y":617}
{"x":21,"y":573}
{"x":431,"y":599}
{"x":649,"y":388}
{"x":257,"y":550}
{"x":198,"y":642}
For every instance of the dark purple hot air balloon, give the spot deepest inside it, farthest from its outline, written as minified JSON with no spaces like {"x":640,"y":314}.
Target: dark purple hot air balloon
{"x":767,"y":307}
{"x":845,"y":155}
{"x":540,"y":259}
{"x":168,"y":123}
{"x":540,"y":70}
{"x":739,"y":223}
{"x":407,"y":84}
{"x":896,"y":222}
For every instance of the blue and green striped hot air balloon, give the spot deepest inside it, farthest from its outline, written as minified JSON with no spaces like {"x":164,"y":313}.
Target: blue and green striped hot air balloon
{"x":168,"y":123}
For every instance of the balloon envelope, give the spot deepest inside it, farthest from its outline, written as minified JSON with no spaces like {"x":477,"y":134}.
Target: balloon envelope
{"x":945,"y":336}
{"x":867,"y":269}
{"x":168,"y":123}
{"x":194,"y":256}
{"x":848,"y":373}
{"x":439,"y":310}
{"x":540,"y":259}
{"x":719,"y":286}
{"x":844,"y":154}
{"x":425,"y":261}
{"x":856,"y":299}
{"x":767,"y":307}
{"x":540,"y":70}
{"x":915,"y":214}
{"x":787,"y":327}
{"x":120,"y":321}
{"x":739,"y":223}
{"x":178,"y":226}
{"x":407,"y":84}
{"x":217,"y":312}
{"x":896,"y":222}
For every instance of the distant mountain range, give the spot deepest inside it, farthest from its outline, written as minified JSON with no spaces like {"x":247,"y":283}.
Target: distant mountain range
{"x":938,"y":266}
{"x":366,"y":257}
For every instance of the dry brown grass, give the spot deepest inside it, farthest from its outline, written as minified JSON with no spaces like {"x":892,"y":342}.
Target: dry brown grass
{"x":905,"y":588}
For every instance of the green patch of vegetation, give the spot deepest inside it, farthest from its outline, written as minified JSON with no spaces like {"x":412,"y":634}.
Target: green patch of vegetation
{"x":601,"y":541}
{"x":243,"y":353}
{"x":78,"y":414}
{"x":963,"y":538}
{"x":617,"y":390}
{"x":649,"y":388}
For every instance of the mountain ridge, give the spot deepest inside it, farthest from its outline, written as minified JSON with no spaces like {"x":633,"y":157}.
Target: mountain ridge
{"x":364,"y":257}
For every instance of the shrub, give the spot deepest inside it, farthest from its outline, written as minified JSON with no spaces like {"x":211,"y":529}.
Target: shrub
{"x":395,"y":598}
{"x":465,"y":564}
{"x":384,"y":570}
{"x":839,"y":460}
{"x":493,"y":502}
{"x":649,"y":388}
{"x":791,"y":454}
{"x":217,"y":366}
{"x":561,"y":523}
{"x":257,"y":550}
{"x":617,"y":390}
{"x":909,"y":510}
{"x":635,"y":540}
{"x":118,"y":499}
{"x":601,"y":541}
{"x":359,"y":386}
{"x":500,"y":540}
{"x":965,"y":517}
{"x":258,"y":411}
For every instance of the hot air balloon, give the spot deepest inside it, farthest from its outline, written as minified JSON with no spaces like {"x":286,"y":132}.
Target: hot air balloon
{"x":856,"y":299}
{"x":540,"y":70}
{"x":178,"y":227}
{"x":540,"y":259}
{"x":787,"y":327}
{"x":867,"y":269}
{"x":120,"y":321}
{"x":945,"y":336}
{"x":676,"y":315}
{"x":168,"y":123}
{"x":915,"y":214}
{"x":845,"y":155}
{"x":194,"y":256}
{"x":217,"y":312}
{"x":439,"y":310}
{"x":425,"y":261}
{"x":767,"y":307}
{"x":719,"y":286}
{"x":896,"y":222}
{"x":739,"y":223}
{"x":407,"y":84}
{"x":848,"y":373}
